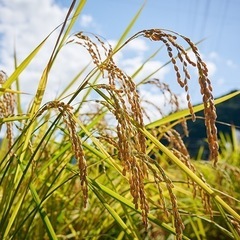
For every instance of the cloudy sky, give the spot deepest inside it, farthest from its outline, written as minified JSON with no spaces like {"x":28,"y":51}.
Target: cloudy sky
{"x":25,"y":23}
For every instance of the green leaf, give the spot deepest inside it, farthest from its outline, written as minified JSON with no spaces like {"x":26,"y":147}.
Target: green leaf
{"x":184,"y":113}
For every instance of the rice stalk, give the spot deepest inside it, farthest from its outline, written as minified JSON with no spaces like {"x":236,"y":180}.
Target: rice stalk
{"x":125,"y":106}
{"x":123,"y":101}
{"x":169,"y":40}
{"x":124,"y":156}
{"x":7,"y":107}
{"x":66,"y":114}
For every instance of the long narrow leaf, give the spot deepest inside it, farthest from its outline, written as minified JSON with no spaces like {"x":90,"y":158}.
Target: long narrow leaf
{"x":192,"y":175}
{"x":185,"y":112}
{"x":131,"y":205}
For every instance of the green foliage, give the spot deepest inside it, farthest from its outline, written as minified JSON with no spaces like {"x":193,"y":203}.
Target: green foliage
{"x":73,"y":175}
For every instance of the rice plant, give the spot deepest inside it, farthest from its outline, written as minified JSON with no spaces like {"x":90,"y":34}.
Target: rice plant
{"x":105,"y":174}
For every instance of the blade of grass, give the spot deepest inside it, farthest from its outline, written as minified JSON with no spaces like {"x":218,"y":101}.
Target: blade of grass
{"x":185,"y":112}
{"x":144,"y":63}
{"x":59,"y":43}
{"x":115,"y":216}
{"x":130,"y":205}
{"x":77,"y":12}
{"x":43,"y":81}
{"x":73,"y":81}
{"x":129,"y":27}
{"x":192,"y":175}
{"x":18,"y":100}
{"x":43,"y":214}
{"x":228,"y":222}
{"x":9,"y":90}
{"x":16,"y":208}
{"x":23,"y":65}
{"x":116,"y":49}
{"x":37,"y":101}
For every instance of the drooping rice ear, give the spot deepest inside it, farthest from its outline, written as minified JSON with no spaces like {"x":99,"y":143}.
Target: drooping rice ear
{"x":169,"y":38}
{"x":68,"y":118}
{"x":7,"y":107}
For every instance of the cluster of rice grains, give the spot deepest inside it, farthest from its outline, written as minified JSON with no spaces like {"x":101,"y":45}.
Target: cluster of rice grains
{"x":7,"y":105}
{"x":122,"y":100}
{"x":169,"y":39}
{"x":66,"y":113}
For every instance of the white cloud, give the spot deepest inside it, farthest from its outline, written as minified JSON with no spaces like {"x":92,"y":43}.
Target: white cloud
{"x":212,"y":68}
{"x":27,"y":23}
{"x":211,"y":61}
{"x":86,"y":20}
{"x":221,"y":81}
{"x":130,"y":65}
{"x":231,"y":64}
{"x":133,"y":55}
{"x":152,"y":66}
{"x":137,"y":44}
{"x":214,"y":55}
{"x":157,"y":104}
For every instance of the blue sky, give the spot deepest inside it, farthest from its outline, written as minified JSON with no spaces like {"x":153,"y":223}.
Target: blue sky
{"x":215,"y":20}
{"x":27,"y":22}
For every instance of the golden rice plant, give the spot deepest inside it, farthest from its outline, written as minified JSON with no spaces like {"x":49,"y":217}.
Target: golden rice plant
{"x":69,"y":174}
